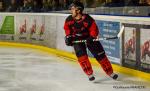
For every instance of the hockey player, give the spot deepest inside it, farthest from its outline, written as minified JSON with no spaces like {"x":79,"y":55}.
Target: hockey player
{"x":80,"y":26}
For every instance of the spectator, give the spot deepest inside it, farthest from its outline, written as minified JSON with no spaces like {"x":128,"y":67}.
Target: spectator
{"x":132,"y":2}
{"x":13,"y":7}
{"x":35,"y":7}
{"x":30,"y":3}
{"x":145,"y":3}
{"x":61,"y":4}
{"x":55,"y":5}
{"x":45,"y":6}
{"x":19,"y":2}
{"x":148,"y":2}
{"x":50,"y":6}
{"x":25,"y":7}
{"x":2,"y":7}
{"x":6,"y":3}
{"x":114,"y":3}
{"x":89,"y":3}
{"x":66,"y":4}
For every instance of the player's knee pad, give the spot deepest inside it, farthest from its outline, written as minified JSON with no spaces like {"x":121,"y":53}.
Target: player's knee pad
{"x":100,"y":55}
{"x":106,"y":66}
{"x":85,"y":64}
{"x":80,"y":53}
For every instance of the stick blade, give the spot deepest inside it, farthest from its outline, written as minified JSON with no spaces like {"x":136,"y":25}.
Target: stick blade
{"x":121,"y":31}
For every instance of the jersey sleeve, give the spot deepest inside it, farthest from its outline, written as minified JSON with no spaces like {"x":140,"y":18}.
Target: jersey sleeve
{"x":93,"y":29}
{"x":66,"y":26}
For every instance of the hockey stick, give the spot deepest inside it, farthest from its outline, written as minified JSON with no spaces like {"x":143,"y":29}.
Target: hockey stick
{"x":106,"y":38}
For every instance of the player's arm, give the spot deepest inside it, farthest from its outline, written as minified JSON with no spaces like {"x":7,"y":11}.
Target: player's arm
{"x":68,"y":37}
{"x":93,"y":30}
{"x":66,"y":28}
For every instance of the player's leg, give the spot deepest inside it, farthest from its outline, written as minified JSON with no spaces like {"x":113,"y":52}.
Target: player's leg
{"x":99,"y":53}
{"x":81,"y":53}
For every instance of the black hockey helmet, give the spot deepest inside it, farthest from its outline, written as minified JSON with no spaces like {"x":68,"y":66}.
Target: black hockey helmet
{"x":77,"y":4}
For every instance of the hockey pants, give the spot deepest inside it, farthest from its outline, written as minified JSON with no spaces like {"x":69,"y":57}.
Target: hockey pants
{"x":98,"y":52}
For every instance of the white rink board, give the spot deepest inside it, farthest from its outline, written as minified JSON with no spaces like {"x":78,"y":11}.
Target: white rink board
{"x":53,"y":24}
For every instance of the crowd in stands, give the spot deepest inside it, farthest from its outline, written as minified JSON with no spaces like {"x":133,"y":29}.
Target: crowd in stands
{"x":33,"y":5}
{"x":55,"y":5}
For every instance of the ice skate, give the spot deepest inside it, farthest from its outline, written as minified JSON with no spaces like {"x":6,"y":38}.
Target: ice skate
{"x":91,"y":78}
{"x":114,"y":76}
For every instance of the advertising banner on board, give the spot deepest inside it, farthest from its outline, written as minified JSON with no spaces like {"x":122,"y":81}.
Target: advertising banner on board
{"x":7,"y":27}
{"x":111,"y":47}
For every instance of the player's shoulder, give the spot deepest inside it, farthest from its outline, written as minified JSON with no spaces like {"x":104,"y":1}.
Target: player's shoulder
{"x":69,"y":18}
{"x":88,"y":16}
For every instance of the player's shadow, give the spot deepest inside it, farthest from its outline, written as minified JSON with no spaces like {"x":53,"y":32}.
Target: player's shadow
{"x":122,"y":80}
{"x":99,"y":81}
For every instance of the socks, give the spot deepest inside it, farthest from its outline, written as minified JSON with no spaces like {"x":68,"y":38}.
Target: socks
{"x":85,"y":64}
{"x":106,"y":66}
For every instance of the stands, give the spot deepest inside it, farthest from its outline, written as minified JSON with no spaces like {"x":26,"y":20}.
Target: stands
{"x":115,"y":7}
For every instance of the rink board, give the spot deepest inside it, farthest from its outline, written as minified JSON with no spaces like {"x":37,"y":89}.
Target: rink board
{"x":117,"y":68}
{"x":46,"y":29}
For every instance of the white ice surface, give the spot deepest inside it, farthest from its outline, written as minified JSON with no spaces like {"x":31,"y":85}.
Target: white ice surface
{"x":24,"y":69}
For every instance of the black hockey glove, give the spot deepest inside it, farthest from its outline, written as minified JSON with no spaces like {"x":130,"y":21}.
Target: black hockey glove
{"x":89,"y":40}
{"x":69,"y":40}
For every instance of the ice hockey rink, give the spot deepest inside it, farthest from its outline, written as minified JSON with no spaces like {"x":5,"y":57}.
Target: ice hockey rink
{"x":26,"y":69}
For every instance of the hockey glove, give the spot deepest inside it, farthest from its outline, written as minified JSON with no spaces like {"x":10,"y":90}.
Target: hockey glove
{"x":89,"y":40}
{"x":69,"y":40}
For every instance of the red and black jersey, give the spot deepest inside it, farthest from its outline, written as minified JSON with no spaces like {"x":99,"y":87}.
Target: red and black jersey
{"x":83,"y":27}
